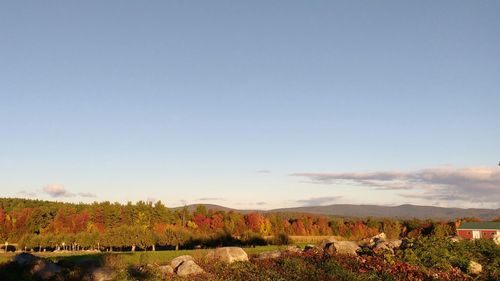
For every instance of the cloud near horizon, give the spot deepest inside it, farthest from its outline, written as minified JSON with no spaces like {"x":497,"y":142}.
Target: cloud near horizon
{"x":473,"y":184}
{"x":318,"y":201}
{"x":211,"y":199}
{"x":58,"y":190}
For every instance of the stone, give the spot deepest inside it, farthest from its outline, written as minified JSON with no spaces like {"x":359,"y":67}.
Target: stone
{"x":39,"y":267}
{"x":189,"y":267}
{"x":103,"y":274}
{"x":45,"y":269}
{"x":387,"y":246}
{"x":475,"y":268}
{"x":342,"y":247}
{"x":25,"y":259}
{"x":228,"y":254}
{"x":269,"y":255}
{"x":496,"y":238}
{"x":166,"y":269}
{"x":176,"y":262}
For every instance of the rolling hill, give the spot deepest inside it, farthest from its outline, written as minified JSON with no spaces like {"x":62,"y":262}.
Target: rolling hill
{"x":406,"y":211}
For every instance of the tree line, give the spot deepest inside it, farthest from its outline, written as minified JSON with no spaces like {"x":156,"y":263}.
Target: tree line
{"x":44,"y":225}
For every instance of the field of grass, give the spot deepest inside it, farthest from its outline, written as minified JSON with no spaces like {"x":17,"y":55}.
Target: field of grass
{"x":302,"y":240}
{"x":134,"y":258}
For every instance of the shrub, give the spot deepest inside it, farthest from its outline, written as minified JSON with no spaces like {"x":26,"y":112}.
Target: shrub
{"x":282,"y":239}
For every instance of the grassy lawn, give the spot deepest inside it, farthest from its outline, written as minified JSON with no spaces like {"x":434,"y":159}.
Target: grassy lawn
{"x":135,"y":258}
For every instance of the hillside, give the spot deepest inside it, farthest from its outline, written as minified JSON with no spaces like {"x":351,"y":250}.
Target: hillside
{"x":402,"y":211}
{"x":406,"y":211}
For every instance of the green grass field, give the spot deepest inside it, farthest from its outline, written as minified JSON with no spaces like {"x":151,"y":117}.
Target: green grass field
{"x":134,"y":258}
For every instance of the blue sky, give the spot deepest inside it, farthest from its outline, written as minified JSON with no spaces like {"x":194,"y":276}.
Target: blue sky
{"x":256,"y":104}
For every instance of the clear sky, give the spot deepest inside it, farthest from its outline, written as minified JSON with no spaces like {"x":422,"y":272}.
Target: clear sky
{"x":251,"y":104}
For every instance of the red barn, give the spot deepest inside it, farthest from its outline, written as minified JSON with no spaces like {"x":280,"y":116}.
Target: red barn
{"x":476,"y":230}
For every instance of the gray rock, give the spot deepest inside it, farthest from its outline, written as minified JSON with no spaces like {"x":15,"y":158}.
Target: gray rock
{"x":342,"y":247}
{"x":388,"y":246}
{"x":45,"y":269}
{"x":166,"y":269}
{"x":189,"y":267}
{"x":228,"y":254}
{"x":175,"y":263}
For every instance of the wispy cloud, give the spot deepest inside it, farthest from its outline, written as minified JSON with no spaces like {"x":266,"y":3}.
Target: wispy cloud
{"x":263,"y":171}
{"x":28,"y":193}
{"x":474,"y":184}
{"x":87,"y":194}
{"x":211,"y":199}
{"x":317,"y":201}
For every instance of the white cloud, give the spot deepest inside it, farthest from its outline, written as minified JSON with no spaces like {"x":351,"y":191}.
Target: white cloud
{"x":471,"y":184}
{"x":57,"y":190}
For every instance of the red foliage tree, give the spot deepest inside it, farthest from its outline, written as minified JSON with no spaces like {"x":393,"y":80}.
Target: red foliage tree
{"x":254,"y":221}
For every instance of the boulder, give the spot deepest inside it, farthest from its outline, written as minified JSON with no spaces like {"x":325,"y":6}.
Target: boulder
{"x":103,"y":274}
{"x":342,"y":247}
{"x":176,"y":262}
{"x":323,"y":244}
{"x":475,"y":268}
{"x":269,"y":255}
{"x":496,"y":238}
{"x":44,"y":269}
{"x":388,"y":246}
{"x":228,"y":254}
{"x":166,"y":269}
{"x":39,"y":267}
{"x":25,"y":259}
{"x":189,"y":267}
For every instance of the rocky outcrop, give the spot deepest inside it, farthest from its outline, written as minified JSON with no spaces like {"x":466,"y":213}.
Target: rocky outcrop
{"x":228,"y":254}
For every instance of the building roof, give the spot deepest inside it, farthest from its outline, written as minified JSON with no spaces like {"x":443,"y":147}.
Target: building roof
{"x":480,"y":225}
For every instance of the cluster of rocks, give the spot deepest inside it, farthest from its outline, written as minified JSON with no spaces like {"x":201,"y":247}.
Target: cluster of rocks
{"x":186,"y":266}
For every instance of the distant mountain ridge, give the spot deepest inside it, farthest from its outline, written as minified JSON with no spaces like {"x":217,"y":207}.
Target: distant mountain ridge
{"x":406,"y":211}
